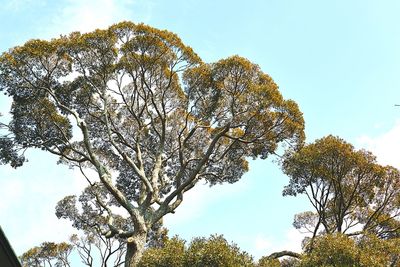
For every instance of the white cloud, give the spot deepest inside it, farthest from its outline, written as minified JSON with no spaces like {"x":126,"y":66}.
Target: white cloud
{"x":88,"y":15}
{"x":194,"y":202}
{"x":28,"y":199}
{"x":262,"y":244}
{"x":292,"y":241}
{"x":15,"y":5}
{"x":11,"y":189}
{"x":198,"y":200}
{"x":386,"y":147}
{"x":43,"y":226}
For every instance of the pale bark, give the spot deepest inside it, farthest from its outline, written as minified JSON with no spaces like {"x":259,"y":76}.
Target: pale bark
{"x":135,"y":249}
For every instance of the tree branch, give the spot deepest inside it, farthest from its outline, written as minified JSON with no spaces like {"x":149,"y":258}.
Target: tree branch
{"x":284,"y":253}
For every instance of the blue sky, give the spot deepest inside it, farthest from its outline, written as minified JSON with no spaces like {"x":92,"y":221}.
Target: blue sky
{"x":339,"y":60}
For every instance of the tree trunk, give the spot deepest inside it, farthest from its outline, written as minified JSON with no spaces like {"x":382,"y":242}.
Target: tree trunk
{"x":135,"y":248}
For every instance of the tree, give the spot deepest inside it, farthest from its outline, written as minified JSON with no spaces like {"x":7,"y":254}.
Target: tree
{"x":96,"y":250}
{"x":214,"y":251}
{"x":173,"y":253}
{"x":340,"y":250}
{"x":332,"y":250}
{"x":47,"y":254}
{"x":140,"y":109}
{"x":217,"y":252}
{"x":346,"y":187}
{"x":375,"y":251}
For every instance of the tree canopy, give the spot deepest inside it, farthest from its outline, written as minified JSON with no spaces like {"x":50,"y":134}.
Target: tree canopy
{"x":340,"y":250}
{"x":47,"y":254}
{"x":213,"y":251}
{"x":348,"y":189}
{"x":141,"y":109}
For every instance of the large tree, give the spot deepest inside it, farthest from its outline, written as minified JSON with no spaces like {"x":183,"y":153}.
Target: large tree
{"x":140,"y":109}
{"x":350,"y":192}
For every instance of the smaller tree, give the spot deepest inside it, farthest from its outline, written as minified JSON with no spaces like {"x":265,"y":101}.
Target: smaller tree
{"x":47,"y":254}
{"x":346,"y":187}
{"x":375,"y":251}
{"x":173,"y":253}
{"x":340,"y":250}
{"x":332,"y":250}
{"x":96,"y":250}
{"x":217,"y":252}
{"x":214,"y":251}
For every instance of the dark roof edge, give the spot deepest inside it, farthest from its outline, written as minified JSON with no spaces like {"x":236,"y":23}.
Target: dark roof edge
{"x":5,"y":244}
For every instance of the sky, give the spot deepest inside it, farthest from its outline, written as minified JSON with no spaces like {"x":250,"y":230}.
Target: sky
{"x":339,"y":60}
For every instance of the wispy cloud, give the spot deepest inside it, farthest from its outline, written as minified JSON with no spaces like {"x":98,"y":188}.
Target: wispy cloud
{"x":18,"y":5}
{"x":11,"y":189}
{"x":262,"y":244}
{"x":292,"y":241}
{"x":28,"y":199}
{"x":199,"y":200}
{"x":386,"y":147}
{"x":88,"y":15}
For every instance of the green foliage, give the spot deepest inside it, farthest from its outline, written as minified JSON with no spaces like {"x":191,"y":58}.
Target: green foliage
{"x":47,"y":254}
{"x":151,"y":119}
{"x":172,"y":254}
{"x":290,"y":262}
{"x":267,"y":262}
{"x":332,"y":250}
{"x":216,"y":252}
{"x":345,"y":186}
{"x":336,"y":250}
{"x":379,"y":252}
{"x":285,"y":262}
{"x":201,"y":252}
{"x":9,"y":153}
